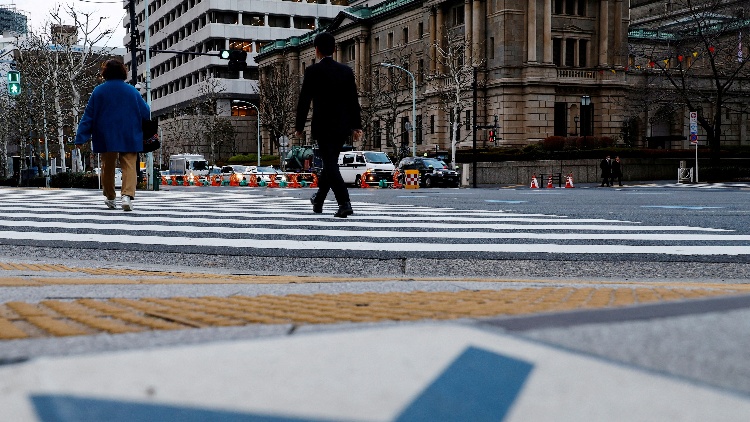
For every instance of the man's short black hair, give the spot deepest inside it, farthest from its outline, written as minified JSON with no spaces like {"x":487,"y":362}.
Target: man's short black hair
{"x":325,"y":43}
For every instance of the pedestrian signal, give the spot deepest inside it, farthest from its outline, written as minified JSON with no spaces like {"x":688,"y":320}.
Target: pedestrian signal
{"x":491,"y":135}
{"x":14,"y":83}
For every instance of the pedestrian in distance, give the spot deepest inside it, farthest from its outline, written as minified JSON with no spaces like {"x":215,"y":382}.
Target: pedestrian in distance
{"x":112,"y":121}
{"x":606,"y":167}
{"x":336,"y":116}
{"x":617,"y":171}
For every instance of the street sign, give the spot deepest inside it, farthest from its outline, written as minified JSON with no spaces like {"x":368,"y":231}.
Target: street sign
{"x":14,"y":83}
{"x":694,"y":127}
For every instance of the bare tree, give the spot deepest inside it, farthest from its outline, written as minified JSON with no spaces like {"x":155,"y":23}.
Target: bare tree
{"x":701,"y":60}
{"x":278,"y":90}
{"x":386,"y":94}
{"x":453,"y":78}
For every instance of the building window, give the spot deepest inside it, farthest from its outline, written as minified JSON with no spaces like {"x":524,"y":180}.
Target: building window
{"x":570,"y":52}
{"x":404,"y":132}
{"x":420,"y":71}
{"x":432,"y":124}
{"x":350,"y":52}
{"x":491,"y":47}
{"x":457,"y":15}
{"x":278,"y":21}
{"x":583,"y":53}
{"x":419,"y":129}
{"x":390,"y":40}
{"x":406,"y":35}
{"x":376,"y":142}
{"x":561,"y":119}
{"x":376,"y":45}
{"x":420,"y":30}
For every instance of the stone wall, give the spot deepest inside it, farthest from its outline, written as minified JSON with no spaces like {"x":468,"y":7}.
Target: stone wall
{"x":583,"y":171}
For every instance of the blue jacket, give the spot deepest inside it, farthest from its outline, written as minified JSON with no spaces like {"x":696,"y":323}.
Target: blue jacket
{"x":113,"y":117}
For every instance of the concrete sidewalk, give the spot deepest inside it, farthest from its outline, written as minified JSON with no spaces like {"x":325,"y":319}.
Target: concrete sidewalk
{"x":113,"y":343}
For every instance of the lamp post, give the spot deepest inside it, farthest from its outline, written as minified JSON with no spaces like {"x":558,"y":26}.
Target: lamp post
{"x":413,"y":108}
{"x":258,"y":119}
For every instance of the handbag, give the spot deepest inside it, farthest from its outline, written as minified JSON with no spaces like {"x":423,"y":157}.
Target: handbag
{"x":150,"y":129}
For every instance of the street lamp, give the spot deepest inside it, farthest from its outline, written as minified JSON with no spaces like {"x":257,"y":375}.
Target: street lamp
{"x":258,"y":119}
{"x":413,"y":108}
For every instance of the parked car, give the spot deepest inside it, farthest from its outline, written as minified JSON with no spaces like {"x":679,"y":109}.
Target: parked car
{"x":432,"y":172}
{"x":265,"y":173}
{"x":372,"y":166}
{"x":118,"y":176}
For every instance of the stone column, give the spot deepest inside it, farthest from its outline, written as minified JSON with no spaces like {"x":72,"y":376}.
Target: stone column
{"x":468,"y":56}
{"x":548,"y":31}
{"x":361,"y":61}
{"x":439,"y":35}
{"x":477,"y":32}
{"x":531,"y":31}
{"x":618,"y":33}
{"x":603,"y":32}
{"x":433,"y":39}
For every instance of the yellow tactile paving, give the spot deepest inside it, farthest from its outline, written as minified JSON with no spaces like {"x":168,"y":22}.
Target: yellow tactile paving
{"x":118,"y":315}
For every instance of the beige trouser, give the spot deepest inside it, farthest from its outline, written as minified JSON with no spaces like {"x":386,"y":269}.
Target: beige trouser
{"x":129,"y":175}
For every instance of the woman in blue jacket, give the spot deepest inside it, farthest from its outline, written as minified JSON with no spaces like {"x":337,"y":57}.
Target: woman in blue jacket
{"x":112,"y":121}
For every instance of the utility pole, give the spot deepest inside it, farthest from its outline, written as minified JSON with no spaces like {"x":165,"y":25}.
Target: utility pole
{"x":474,"y":131}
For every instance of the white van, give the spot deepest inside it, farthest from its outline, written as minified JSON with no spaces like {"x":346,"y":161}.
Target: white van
{"x":372,"y":166}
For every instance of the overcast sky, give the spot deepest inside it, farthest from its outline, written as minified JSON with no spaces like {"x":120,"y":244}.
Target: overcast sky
{"x":38,"y":13}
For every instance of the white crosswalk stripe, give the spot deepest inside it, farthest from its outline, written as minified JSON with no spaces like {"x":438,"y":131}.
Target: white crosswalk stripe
{"x":250,"y":222}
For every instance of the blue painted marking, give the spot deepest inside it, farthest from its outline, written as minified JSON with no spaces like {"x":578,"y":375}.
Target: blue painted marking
{"x":503,"y":202}
{"x":63,"y":408}
{"x":682,"y":207}
{"x":478,"y":386}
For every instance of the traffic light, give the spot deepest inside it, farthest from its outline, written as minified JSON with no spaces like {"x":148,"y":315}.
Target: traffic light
{"x":14,"y":83}
{"x":237,"y":59}
{"x":491,"y":135}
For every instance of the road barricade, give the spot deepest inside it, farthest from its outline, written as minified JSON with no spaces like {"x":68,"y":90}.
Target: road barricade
{"x":411,"y":179}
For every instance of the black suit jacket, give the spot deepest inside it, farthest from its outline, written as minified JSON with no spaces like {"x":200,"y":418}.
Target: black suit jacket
{"x":331,"y":88}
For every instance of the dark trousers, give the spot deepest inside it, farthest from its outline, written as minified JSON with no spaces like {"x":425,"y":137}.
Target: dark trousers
{"x":330,"y":178}
{"x":606,"y":181}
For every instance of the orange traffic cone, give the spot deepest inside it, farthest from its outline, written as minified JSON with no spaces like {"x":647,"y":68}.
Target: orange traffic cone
{"x":396,"y":184}
{"x":549,"y":183}
{"x":534,"y":184}
{"x":569,"y":182}
{"x":363,"y":182}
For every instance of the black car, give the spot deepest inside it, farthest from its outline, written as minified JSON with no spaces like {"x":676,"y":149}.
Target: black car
{"x":432,"y":172}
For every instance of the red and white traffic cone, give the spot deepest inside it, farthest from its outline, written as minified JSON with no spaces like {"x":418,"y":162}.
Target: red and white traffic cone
{"x":549,"y":182}
{"x":569,"y":182}
{"x":534,"y":184}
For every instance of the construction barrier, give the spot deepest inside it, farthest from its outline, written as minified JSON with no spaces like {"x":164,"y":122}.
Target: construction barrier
{"x":411,"y":179}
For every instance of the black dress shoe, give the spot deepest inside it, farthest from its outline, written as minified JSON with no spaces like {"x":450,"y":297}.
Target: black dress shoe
{"x":344,"y":210}
{"x":317,"y":207}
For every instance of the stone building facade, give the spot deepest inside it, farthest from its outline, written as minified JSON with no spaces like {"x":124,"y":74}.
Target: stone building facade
{"x":543,"y":67}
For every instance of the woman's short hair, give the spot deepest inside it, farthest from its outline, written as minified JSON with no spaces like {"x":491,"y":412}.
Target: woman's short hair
{"x":114,"y":69}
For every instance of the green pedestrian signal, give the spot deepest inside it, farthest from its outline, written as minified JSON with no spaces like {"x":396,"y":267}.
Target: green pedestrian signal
{"x":14,"y":83}
{"x":237,"y":59}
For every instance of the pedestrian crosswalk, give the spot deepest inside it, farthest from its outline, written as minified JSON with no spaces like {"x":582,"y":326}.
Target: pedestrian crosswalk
{"x":256,"y":223}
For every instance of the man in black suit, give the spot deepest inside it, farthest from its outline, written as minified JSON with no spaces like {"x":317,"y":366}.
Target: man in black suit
{"x":331,"y":88}
{"x":606,"y":167}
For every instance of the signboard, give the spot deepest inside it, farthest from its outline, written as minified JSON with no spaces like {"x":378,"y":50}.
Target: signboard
{"x":694,"y":127}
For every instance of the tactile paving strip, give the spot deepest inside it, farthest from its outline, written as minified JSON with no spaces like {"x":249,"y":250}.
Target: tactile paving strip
{"x":52,"y":318}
